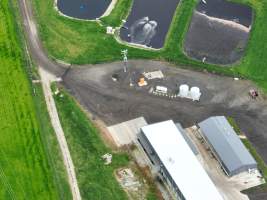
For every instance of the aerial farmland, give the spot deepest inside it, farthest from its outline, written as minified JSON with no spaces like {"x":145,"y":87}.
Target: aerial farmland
{"x":133,"y":99}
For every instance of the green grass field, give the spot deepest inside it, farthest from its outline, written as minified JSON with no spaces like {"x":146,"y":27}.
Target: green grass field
{"x":25,"y":170}
{"x":86,"y":42}
{"x":96,"y":180}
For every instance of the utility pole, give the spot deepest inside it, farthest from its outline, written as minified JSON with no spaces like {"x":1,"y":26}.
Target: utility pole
{"x":125,"y":59}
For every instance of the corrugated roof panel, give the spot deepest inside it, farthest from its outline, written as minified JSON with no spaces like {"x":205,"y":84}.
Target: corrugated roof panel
{"x":226,"y":143}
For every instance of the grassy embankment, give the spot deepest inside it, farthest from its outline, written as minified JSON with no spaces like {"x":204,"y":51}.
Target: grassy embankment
{"x":25,"y":169}
{"x":51,"y":146}
{"x":96,"y":180}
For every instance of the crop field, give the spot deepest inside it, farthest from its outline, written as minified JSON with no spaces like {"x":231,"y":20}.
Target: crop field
{"x":25,"y":172}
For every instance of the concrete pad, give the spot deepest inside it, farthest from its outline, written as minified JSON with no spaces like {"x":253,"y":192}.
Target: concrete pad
{"x":125,"y":133}
{"x":153,"y":75}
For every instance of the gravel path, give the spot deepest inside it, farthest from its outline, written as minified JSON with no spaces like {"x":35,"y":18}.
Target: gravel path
{"x":46,"y":79}
{"x":46,"y":67}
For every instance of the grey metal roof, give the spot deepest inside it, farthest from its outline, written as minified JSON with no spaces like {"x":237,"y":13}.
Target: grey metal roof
{"x":227,"y":145}
{"x":187,"y":139}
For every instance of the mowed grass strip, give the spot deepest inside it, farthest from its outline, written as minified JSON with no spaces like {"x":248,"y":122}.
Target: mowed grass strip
{"x":96,"y":180}
{"x":24,"y":169}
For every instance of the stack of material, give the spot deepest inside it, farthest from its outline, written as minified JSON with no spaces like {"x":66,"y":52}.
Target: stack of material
{"x":161,"y":89}
{"x":107,"y":158}
{"x":253,"y":93}
{"x":110,"y":30}
{"x":142,"y":82}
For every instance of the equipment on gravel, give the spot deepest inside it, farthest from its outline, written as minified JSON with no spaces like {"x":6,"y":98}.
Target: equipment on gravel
{"x":253,"y":94}
{"x":142,"y":82}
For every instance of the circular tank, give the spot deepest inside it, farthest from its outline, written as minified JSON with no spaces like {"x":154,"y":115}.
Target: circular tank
{"x":183,"y":90}
{"x":195,"y":93}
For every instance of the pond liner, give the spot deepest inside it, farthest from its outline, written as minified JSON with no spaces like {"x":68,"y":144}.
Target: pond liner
{"x":218,"y":32}
{"x":149,"y":22}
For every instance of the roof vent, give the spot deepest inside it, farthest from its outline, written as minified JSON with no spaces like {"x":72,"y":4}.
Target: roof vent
{"x":171,"y":160}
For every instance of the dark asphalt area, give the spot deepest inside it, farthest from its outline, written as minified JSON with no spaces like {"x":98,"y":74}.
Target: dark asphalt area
{"x":115,"y":102}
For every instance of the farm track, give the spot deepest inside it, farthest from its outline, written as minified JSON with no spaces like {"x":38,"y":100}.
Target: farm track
{"x":48,"y":72}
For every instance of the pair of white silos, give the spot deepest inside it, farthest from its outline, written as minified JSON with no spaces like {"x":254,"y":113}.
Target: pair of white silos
{"x":194,"y":92}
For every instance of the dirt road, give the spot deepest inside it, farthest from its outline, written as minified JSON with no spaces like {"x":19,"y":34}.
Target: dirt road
{"x":48,"y":71}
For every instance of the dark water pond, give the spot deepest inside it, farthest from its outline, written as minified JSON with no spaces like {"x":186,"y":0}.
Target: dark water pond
{"x":83,"y":9}
{"x":218,"y":32}
{"x":148,"y":22}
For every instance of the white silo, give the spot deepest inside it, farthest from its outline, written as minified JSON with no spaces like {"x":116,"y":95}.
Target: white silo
{"x":183,"y":90}
{"x":195,"y":93}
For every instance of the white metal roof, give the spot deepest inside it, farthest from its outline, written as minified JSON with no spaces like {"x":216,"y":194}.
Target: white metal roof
{"x":180,"y":161}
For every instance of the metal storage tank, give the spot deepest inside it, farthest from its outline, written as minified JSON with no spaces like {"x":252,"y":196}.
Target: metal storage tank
{"x":195,"y":93}
{"x":183,"y":90}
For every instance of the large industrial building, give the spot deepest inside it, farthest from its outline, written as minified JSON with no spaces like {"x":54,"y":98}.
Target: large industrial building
{"x":176,"y":163}
{"x":226,"y":146}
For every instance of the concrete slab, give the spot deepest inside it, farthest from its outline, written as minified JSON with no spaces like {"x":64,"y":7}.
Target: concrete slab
{"x":154,"y":75}
{"x":125,"y":133}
